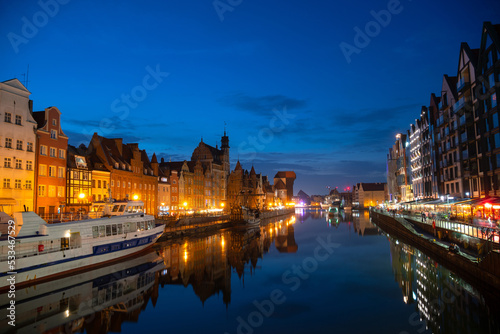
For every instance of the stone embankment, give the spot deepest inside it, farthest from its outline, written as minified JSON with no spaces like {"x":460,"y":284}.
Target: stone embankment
{"x":482,"y":272}
{"x":196,"y":225}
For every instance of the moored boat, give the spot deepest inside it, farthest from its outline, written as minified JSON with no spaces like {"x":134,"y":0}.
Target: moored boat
{"x":33,"y":251}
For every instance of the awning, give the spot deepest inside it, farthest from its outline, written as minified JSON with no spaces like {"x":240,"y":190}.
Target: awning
{"x":7,"y":201}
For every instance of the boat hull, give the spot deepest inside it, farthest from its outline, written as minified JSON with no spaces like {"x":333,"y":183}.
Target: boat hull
{"x":45,"y":267}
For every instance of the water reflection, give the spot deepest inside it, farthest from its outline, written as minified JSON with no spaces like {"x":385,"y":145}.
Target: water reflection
{"x":97,"y":301}
{"x":206,"y":262}
{"x":444,"y":303}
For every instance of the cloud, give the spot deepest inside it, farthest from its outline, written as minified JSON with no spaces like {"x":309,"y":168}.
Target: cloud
{"x":262,"y":105}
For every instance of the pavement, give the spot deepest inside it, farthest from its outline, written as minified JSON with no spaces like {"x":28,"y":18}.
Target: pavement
{"x":406,"y":221}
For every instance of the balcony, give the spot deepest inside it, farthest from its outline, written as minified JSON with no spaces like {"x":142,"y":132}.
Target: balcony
{"x":460,"y":104}
{"x":462,"y":84}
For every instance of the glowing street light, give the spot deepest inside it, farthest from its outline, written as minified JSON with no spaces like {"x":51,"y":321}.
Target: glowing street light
{"x":135,"y":197}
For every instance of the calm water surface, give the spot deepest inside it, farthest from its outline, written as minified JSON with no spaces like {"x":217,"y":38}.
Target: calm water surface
{"x":304,"y":274}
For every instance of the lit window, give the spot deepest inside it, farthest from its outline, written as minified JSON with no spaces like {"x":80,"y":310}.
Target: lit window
{"x":41,"y":191}
{"x":53,"y":152}
{"x":43,"y":150}
{"x":60,"y":172}
{"x":52,"y":172}
{"x":43,"y":170}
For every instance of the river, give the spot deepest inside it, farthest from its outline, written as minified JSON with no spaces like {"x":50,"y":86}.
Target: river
{"x":302,"y":274}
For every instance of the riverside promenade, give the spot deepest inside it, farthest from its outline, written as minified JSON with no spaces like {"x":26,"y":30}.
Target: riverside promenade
{"x":481,"y":270}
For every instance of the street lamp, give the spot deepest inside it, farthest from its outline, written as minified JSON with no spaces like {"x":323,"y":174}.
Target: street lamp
{"x":185,"y":207}
{"x":135,"y":197}
{"x":81,"y":196}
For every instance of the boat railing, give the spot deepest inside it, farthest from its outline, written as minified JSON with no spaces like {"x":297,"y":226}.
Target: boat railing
{"x":29,"y":253}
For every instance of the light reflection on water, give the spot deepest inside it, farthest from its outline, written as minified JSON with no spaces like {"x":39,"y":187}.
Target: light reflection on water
{"x":277,"y":277}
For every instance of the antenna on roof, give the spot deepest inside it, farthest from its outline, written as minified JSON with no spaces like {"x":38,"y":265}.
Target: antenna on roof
{"x":26,"y":77}
{"x":225,"y":128}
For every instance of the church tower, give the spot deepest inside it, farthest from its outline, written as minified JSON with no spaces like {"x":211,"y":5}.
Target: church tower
{"x":225,"y":162}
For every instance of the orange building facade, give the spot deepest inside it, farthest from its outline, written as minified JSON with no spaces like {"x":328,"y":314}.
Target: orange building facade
{"x":52,"y":144}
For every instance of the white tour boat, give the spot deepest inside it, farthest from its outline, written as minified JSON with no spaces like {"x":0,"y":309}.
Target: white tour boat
{"x":33,"y":251}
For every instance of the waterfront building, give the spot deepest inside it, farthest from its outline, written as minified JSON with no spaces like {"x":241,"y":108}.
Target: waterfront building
{"x":421,"y":157}
{"x":100,"y":179}
{"x":246,"y":189}
{"x":283,"y":184}
{"x":486,"y":92}
{"x":50,"y":169}
{"x":468,"y":122}
{"x":366,"y":195}
{"x":78,"y":180}
{"x":17,"y":148}
{"x":171,"y":170}
{"x":164,"y":189}
{"x":402,"y":173}
{"x":131,"y":173}
{"x":216,"y":169}
{"x":435,"y":170}
{"x":393,"y":190}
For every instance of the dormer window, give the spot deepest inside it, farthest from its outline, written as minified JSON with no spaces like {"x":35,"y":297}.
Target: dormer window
{"x":117,"y":165}
{"x":53,"y":134}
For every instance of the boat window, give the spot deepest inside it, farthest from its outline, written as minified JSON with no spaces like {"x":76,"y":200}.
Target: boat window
{"x":102,"y":231}
{"x":101,"y":207}
{"x":95,"y":231}
{"x":122,"y":207}
{"x":64,"y":243}
{"x":115,"y":208}
{"x":119,"y":228}
{"x":113,"y":229}
{"x":108,"y":230}
{"x":142,"y":226}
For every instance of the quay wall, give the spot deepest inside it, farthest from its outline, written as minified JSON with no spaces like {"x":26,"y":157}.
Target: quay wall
{"x":485,"y":275}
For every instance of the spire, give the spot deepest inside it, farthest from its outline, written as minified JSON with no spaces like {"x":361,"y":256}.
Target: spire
{"x":238,"y":166}
{"x":154,"y":160}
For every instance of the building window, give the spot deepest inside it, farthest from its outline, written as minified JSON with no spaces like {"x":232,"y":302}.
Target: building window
{"x":98,"y":183}
{"x":19,"y":145}
{"x":52,"y":152}
{"x":117,"y":183}
{"x":93,"y":183}
{"x":8,"y":142}
{"x":43,"y":170}
{"x":60,"y":172}
{"x":29,"y":165}
{"x":43,"y":150}
{"x":52,"y":191}
{"x":19,"y":164}
{"x":52,"y":171}
{"x":18,"y":119}
{"x":60,"y":191}
{"x":54,"y":122}
{"x":17,"y":184}
{"x":29,"y":147}
{"x":7,"y":162}
{"x":62,"y":154}
{"x":53,"y":134}
{"x":41,"y":191}
{"x":27,"y":184}
{"x":8,"y":117}
{"x":104,"y":184}
{"x":6,"y":183}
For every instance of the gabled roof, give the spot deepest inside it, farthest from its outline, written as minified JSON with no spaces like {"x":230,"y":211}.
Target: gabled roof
{"x":15,"y":83}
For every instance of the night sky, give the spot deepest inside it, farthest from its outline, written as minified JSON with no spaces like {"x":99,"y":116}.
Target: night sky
{"x":298,"y":87}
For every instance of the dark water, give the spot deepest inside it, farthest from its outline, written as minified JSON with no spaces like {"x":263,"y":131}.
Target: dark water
{"x":304,"y":274}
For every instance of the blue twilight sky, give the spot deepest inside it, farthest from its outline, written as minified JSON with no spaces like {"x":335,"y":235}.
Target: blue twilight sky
{"x":167,"y":73}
